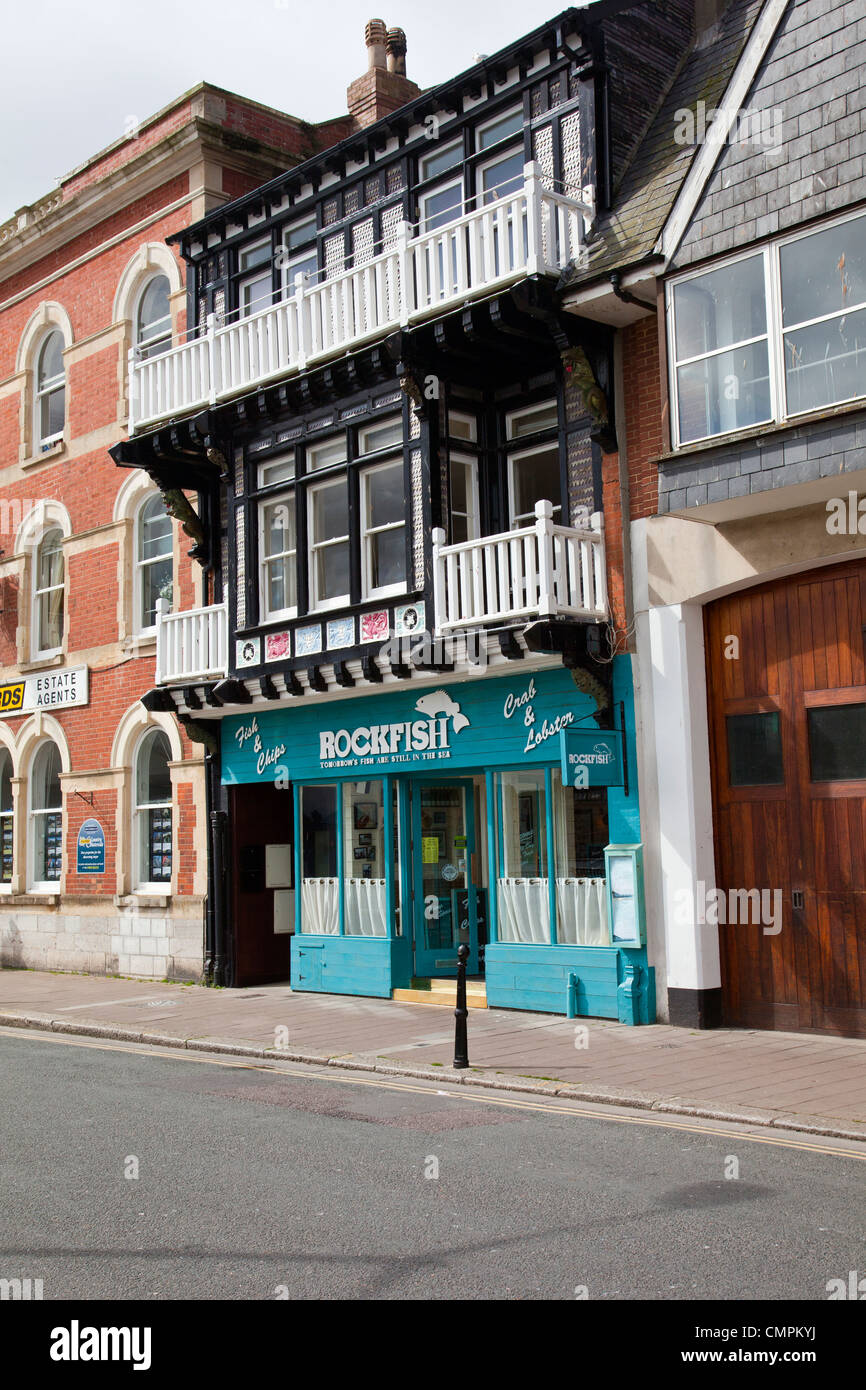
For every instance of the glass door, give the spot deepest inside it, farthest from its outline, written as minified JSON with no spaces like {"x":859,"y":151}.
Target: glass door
{"x":443,"y":843}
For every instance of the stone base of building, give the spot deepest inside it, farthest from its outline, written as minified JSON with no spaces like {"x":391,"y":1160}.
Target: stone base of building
{"x":695,"y":1008}
{"x":129,"y":940}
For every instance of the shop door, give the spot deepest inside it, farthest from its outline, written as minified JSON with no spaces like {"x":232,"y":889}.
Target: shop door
{"x":445,"y":899}
{"x":788,"y":740}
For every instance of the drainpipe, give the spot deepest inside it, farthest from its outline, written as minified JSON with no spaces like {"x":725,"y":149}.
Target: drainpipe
{"x":626,"y":295}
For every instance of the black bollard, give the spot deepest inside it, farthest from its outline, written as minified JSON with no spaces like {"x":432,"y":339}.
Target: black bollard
{"x":461,"y":1013}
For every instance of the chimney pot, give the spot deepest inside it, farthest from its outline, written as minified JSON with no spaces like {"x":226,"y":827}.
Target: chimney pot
{"x":375,"y":36}
{"x":396,"y":41}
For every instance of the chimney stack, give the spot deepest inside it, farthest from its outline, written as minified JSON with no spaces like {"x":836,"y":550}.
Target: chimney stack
{"x":384,"y":86}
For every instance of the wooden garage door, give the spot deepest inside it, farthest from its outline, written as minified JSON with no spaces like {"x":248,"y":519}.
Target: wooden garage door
{"x":786,"y":667}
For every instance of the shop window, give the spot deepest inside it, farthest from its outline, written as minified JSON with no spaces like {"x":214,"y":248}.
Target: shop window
{"x":837,"y":743}
{"x":328,"y":505}
{"x":154,"y":562}
{"x":320,"y":910}
{"x":383,"y":539}
{"x":523,"y":896}
{"x":48,"y":595}
{"x":153,"y":319}
{"x":364,"y":850}
{"x":46,"y":818}
{"x":153,"y":810}
{"x":755,"y":750}
{"x":580,"y":836}
{"x":6,"y":818}
{"x":50,"y":391}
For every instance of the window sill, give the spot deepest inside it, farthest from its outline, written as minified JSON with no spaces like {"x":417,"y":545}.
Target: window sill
{"x":44,"y":897}
{"x":42,"y":663}
{"x":757,"y":433}
{"x":145,"y":897}
{"x":54,"y":451}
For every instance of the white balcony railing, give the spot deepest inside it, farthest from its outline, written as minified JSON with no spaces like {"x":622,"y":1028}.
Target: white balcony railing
{"x":529,"y":232}
{"x":537,"y":571}
{"x":191,"y":646}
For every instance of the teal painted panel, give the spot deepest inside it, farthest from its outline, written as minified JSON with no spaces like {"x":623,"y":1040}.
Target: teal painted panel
{"x":346,"y":965}
{"x":537,"y":977}
{"x":507,"y":722}
{"x":623,"y":811}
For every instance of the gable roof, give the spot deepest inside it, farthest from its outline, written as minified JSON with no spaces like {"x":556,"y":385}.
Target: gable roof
{"x":629,"y":233}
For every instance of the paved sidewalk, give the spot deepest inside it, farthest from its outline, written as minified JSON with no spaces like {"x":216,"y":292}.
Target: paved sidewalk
{"x":792,"y":1080}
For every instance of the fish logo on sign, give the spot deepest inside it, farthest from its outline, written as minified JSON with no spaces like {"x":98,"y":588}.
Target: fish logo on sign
{"x":440,"y":702}
{"x":11,"y":697}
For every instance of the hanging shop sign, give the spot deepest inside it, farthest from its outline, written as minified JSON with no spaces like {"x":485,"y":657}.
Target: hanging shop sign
{"x":90,"y":853}
{"x":506,"y":722}
{"x":48,"y":690}
{"x":592,"y":757}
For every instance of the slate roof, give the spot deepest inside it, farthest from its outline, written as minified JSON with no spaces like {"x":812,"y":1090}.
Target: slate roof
{"x":626,"y":234}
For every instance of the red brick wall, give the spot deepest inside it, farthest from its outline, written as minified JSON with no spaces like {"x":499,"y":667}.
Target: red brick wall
{"x":185,"y":838}
{"x":76,"y":811}
{"x":643,"y":414}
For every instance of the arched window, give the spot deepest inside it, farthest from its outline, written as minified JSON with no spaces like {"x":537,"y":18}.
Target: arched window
{"x":153,"y":560}
{"x":48,"y":594}
{"x":153,"y":319}
{"x":50,"y":391}
{"x":6,"y":825}
{"x":152,"y":829}
{"x":46,"y":816}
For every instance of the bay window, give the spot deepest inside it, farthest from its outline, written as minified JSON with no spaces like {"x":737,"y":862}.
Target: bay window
{"x":278,"y":544}
{"x":255,"y":290}
{"x":383,"y":542}
{"x":769,"y":335}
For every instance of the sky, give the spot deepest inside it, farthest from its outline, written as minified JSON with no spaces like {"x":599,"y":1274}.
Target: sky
{"x":102,"y":65}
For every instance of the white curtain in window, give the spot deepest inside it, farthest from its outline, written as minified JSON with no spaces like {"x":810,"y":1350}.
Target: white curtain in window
{"x":320,"y":913}
{"x":582,"y":912}
{"x":524,"y":910}
{"x":365,"y":913}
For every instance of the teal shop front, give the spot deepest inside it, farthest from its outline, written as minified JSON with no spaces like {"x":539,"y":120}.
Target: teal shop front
{"x":477,"y":812}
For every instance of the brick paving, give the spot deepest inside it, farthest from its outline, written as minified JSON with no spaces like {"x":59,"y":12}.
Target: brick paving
{"x":807,"y":1079}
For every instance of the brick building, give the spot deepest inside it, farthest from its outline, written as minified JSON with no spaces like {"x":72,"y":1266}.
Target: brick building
{"x":102,"y":804}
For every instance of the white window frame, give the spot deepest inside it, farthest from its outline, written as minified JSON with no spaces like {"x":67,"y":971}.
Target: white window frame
{"x":465,"y":418}
{"x":454,"y":145}
{"x":776,"y":333}
{"x":515,"y":456}
{"x":473,"y":515}
{"x":494,"y":121}
{"x":38,"y":651}
{"x":424,"y":198}
{"x":46,"y":389}
{"x":140,"y":811}
{"x":529,"y":410}
{"x":50,"y":885}
{"x":368,"y":591}
{"x":317,"y":604}
{"x":323,"y":444}
{"x":484,"y":200}
{"x":373,"y":427}
{"x":140,"y":565}
{"x":269,"y":614}
{"x":146,"y":346}
{"x":264,"y":271}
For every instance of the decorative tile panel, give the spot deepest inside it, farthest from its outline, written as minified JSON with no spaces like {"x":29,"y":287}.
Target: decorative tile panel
{"x":374,"y":626}
{"x":409,"y":618}
{"x":248,"y":652}
{"x":278,"y":646}
{"x":308,"y":640}
{"x":340,"y":633}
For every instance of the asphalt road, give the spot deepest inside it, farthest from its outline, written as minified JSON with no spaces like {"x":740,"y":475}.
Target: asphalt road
{"x":254,"y":1184}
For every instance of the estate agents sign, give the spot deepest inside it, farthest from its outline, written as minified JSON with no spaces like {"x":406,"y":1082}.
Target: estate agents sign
{"x":48,"y":690}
